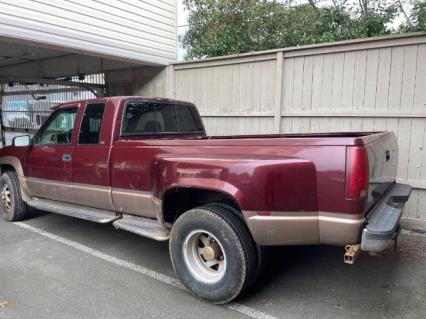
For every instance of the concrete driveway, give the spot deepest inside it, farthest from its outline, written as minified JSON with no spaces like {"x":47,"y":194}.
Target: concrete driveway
{"x":53,"y":266}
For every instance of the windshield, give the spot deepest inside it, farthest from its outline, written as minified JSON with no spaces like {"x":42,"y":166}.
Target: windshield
{"x":147,"y":118}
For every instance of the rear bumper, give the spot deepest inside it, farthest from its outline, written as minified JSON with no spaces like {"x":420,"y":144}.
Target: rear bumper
{"x":383,"y":220}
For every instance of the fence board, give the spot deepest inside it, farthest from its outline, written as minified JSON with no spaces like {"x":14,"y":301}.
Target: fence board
{"x":297,"y":102}
{"x":371,"y":79}
{"x":308,"y":67}
{"x":238,"y":125}
{"x":327,"y":83}
{"x":348,"y":80}
{"x":409,"y":77}
{"x":336,"y":93}
{"x":395,"y":79}
{"x":415,"y":160}
{"x":359,"y":80}
{"x":420,"y":90}
{"x":288,"y":83}
{"x":317,"y":81}
{"x":383,"y":78}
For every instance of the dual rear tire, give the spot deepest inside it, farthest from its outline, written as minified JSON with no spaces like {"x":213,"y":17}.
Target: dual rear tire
{"x":213,"y":252}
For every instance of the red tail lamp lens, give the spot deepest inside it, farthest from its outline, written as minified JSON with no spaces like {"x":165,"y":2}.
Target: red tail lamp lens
{"x":356,"y":173}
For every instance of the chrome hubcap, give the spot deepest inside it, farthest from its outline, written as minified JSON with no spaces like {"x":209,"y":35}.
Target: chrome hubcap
{"x":6,"y":199}
{"x":204,"y":256}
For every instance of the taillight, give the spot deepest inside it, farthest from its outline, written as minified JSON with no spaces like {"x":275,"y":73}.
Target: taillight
{"x":356,"y":173}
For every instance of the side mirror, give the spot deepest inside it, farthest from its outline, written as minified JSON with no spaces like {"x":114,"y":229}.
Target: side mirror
{"x":24,"y":140}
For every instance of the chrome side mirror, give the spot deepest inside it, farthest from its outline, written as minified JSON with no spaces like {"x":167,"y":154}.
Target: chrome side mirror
{"x":21,"y":141}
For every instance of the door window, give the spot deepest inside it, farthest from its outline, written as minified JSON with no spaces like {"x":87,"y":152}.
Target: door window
{"x":58,"y":129}
{"x":91,"y":124}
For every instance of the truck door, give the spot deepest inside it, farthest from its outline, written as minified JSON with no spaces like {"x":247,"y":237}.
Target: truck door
{"x":49,"y":161}
{"x":90,"y":164}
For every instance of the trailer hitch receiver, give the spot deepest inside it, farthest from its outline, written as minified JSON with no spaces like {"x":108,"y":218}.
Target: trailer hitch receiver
{"x":352,"y":252}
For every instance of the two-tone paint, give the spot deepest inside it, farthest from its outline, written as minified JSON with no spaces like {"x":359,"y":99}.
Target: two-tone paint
{"x":290,"y":188}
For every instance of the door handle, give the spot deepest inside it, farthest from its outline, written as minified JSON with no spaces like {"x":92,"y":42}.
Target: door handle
{"x":66,"y":157}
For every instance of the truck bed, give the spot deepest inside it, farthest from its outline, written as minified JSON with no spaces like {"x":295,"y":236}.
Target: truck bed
{"x":381,"y":149}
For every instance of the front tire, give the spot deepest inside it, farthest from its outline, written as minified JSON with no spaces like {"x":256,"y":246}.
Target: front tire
{"x":212,"y":253}
{"x":12,"y":207}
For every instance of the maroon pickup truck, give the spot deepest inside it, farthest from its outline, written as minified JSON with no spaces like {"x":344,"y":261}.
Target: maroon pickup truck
{"x":147,"y":166}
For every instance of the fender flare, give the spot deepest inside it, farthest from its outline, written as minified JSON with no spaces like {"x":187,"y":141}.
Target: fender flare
{"x":208,"y":184}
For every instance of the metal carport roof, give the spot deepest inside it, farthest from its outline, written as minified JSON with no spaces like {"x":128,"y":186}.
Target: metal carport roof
{"x":23,"y":61}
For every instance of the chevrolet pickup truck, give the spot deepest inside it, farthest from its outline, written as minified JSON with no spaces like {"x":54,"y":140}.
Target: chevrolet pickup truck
{"x":146,"y":165}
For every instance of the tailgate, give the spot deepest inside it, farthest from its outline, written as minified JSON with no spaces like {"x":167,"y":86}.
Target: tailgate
{"x":382,"y":151}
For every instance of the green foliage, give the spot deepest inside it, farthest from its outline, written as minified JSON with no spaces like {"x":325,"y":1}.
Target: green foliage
{"x":418,"y":15}
{"x":221,"y":27}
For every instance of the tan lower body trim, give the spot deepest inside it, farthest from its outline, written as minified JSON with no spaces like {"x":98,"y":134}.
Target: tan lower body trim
{"x":134,"y":202}
{"x":74,"y":193}
{"x":283,"y":228}
{"x":53,"y":190}
{"x":303,"y":228}
{"x":93,"y":196}
{"x":340,"y":229}
{"x":126,"y":201}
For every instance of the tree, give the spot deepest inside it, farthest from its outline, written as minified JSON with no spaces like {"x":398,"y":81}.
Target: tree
{"x":417,"y":17}
{"x":228,"y":27}
{"x":221,"y":27}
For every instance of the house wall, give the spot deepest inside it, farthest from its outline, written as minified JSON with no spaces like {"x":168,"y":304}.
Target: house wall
{"x":132,"y":30}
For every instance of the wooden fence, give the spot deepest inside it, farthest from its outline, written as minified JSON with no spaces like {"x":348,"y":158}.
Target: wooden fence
{"x":362,"y":85}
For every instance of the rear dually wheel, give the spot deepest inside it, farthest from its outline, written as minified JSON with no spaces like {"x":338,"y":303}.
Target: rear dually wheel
{"x":212,"y":253}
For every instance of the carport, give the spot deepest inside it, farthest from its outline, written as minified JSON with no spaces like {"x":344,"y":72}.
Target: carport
{"x":51,"y":52}
{"x":34,"y":77}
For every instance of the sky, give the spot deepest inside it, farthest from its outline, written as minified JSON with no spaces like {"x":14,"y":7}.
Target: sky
{"x":182,"y":27}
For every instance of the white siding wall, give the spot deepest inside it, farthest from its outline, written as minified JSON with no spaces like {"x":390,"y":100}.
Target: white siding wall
{"x":136,"y":30}
{"x":372,"y":85}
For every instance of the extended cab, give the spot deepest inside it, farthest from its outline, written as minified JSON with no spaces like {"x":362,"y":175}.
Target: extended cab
{"x":147,"y":166}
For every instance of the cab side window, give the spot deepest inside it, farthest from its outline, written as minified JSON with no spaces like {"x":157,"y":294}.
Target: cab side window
{"x":91,"y":124}
{"x":58,"y":129}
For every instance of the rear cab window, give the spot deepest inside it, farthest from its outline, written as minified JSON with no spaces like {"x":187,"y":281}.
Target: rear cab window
{"x":151,"y":118}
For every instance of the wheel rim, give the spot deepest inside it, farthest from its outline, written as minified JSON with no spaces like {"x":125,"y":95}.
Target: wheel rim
{"x":204,"y":256}
{"x":6,"y":199}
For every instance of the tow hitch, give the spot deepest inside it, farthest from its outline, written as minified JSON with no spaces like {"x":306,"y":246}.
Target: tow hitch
{"x":352,"y":252}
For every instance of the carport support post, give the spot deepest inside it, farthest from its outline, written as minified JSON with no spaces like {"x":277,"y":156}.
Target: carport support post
{"x":1,"y":117}
{"x":278,"y":91}
{"x":170,"y":87}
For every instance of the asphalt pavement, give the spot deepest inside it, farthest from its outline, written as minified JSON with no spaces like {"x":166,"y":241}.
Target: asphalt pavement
{"x":53,"y":266}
